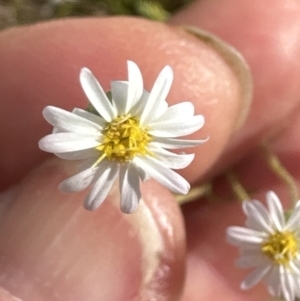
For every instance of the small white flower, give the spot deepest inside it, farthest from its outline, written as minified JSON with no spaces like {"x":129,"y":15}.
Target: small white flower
{"x":270,"y":243}
{"x":129,"y":138}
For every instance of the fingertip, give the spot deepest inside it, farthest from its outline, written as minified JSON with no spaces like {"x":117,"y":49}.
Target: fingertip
{"x":200,"y":74}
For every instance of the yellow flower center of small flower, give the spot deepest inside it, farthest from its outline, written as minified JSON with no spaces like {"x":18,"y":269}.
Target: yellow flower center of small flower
{"x":281,"y":247}
{"x":123,"y":139}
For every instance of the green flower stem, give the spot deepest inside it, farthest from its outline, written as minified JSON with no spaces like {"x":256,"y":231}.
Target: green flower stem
{"x":236,"y":187}
{"x":277,"y":167}
{"x":194,"y":194}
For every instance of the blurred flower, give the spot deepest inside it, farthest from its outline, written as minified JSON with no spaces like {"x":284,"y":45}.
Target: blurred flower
{"x":127,"y":137}
{"x":270,"y":243}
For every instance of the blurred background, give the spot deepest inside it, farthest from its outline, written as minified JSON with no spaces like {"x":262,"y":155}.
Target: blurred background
{"x":18,"y":12}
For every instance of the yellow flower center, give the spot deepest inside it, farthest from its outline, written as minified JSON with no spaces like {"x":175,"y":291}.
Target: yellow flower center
{"x":281,"y":247}
{"x":123,"y":139}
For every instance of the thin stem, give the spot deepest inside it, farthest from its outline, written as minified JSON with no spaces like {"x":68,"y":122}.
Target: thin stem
{"x":282,"y":173}
{"x":194,"y":194}
{"x":237,"y":187}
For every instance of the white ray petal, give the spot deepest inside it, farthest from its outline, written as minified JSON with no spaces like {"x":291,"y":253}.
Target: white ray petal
{"x":176,"y":128}
{"x":295,"y":268}
{"x":172,"y":160}
{"x":256,"y":276}
{"x":129,"y":188}
{"x":163,"y":175}
{"x":67,"y":121}
{"x":160,"y":107}
{"x":142,"y":173}
{"x":78,"y":182}
{"x":139,"y":106}
{"x":288,"y":286}
{"x":67,"y":142}
{"x":173,"y":143}
{"x":135,"y":87}
{"x":79,"y":155}
{"x":181,"y":111}
{"x":262,"y":209}
{"x":119,"y":90}
{"x":96,"y":95}
{"x":90,"y":116}
{"x":273,"y":281}
{"x":107,"y":172}
{"x":276,"y":210}
{"x":297,"y":285}
{"x":240,"y":235}
{"x":293,"y":222}
{"x":158,"y":93}
{"x":256,"y":212}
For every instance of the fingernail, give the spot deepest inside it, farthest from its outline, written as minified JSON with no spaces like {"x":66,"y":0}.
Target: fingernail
{"x":53,"y":249}
{"x":237,"y":63}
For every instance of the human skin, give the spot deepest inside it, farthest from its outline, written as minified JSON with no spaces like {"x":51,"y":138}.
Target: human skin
{"x":50,"y":247}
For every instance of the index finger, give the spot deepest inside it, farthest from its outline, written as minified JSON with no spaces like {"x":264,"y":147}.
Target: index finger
{"x":47,"y":73}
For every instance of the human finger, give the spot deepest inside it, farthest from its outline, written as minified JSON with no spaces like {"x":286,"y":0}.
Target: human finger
{"x":53,"y":249}
{"x":268,"y":39}
{"x":274,"y":109}
{"x":46,"y":73}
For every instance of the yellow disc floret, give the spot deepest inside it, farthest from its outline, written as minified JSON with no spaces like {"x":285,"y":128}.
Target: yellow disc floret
{"x":123,"y":139}
{"x":281,"y":247}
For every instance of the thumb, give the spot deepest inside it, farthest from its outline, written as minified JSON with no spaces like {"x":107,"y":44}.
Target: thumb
{"x":53,"y":249}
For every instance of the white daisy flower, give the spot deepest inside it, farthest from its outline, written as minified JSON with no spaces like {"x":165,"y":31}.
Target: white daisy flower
{"x":270,"y":243}
{"x":128,"y":137}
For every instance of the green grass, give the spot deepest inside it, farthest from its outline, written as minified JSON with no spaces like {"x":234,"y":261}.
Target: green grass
{"x":17,"y":12}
